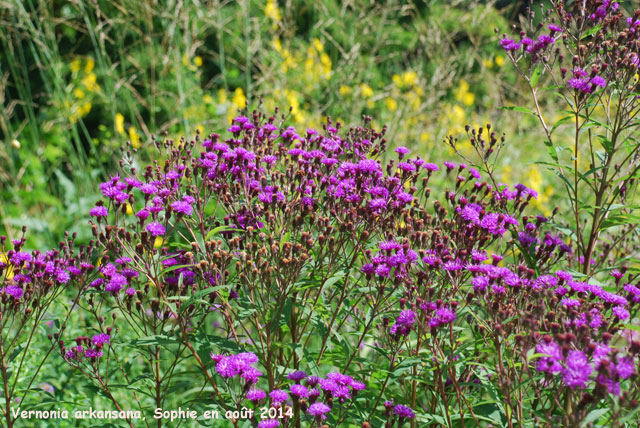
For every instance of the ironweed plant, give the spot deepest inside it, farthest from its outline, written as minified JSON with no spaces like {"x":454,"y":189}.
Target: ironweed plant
{"x":588,"y":51}
{"x":270,"y":277}
{"x":32,"y":284}
{"x":263,"y":256}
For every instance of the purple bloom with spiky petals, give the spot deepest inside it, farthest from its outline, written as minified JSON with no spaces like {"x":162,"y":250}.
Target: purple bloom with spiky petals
{"x":403,"y":412}
{"x":318,"y":410}
{"x":156,"y":229}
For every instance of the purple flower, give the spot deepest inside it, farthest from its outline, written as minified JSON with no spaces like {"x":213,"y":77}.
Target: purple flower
{"x":99,"y":211}
{"x":625,"y":367}
{"x":554,"y":28}
{"x":268,"y":423}
{"x":578,"y":369}
{"x":148,"y":189}
{"x":599,"y":81}
{"x":402,"y":151}
{"x":297,"y":376}
{"x":551,"y":362}
{"x":403,"y":412}
{"x":182,"y":207}
{"x":509,"y":44}
{"x":318,"y":410}
{"x":256,"y":395}
{"x":14,"y":291}
{"x":278,"y":395}
{"x":116,"y":283}
{"x":570,"y":303}
{"x":156,"y":229}
{"x":621,"y":313}
{"x":101,"y":339}
{"x":298,"y":390}
{"x":93,"y":353}
{"x":406,"y":318}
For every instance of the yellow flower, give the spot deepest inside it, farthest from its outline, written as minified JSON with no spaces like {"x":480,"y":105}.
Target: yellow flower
{"x":78,"y":93}
{"x":85,"y":108}
{"x":277,"y":44}
{"x":391,"y":103}
{"x":365,"y":90}
{"x":208,"y":99}
{"x":129,"y":209}
{"x":424,"y":137}
{"x":344,"y":90}
{"x":134,"y":137}
{"x":326,"y":64}
{"x":198,"y":61}
{"x":272,"y":11}
{"x":158,"y":242}
{"x":488,"y":63}
{"x":499,"y":60}
{"x":409,"y":78}
{"x":9,"y":271}
{"x":89,"y":82}
{"x":120,"y":123}
{"x":318,"y":45}
{"x":468,"y":99}
{"x":75,"y":65}
{"x":239,"y":100}
{"x":88,"y":67}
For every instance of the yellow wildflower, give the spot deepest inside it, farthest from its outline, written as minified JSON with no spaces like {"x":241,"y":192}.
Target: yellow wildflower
{"x":499,"y":60}
{"x":272,"y":11}
{"x":78,"y":93}
{"x":391,"y":103}
{"x":277,"y":44}
{"x":158,"y":242}
{"x":409,"y":78}
{"x":208,"y":99}
{"x":344,"y":90}
{"x":120,"y":123}
{"x":129,"y":209}
{"x":75,"y":65}
{"x":85,"y":108}
{"x":9,"y":271}
{"x":89,"y":82}
{"x":198,"y":61}
{"x":488,"y":63}
{"x":239,"y":100}
{"x":318,"y":45}
{"x":134,"y":137}
{"x":468,"y":99}
{"x":365,"y":90}
{"x":88,"y":67}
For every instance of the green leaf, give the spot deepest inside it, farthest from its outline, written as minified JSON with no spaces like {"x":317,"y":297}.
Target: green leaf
{"x":537,"y":72}
{"x":218,"y":230}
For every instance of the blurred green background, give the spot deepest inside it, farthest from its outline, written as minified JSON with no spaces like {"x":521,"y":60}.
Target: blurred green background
{"x":80,"y":78}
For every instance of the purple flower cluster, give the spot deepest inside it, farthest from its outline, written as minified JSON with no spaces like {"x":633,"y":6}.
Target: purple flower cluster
{"x":600,"y":363}
{"x":582,"y":82}
{"x":240,"y":365}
